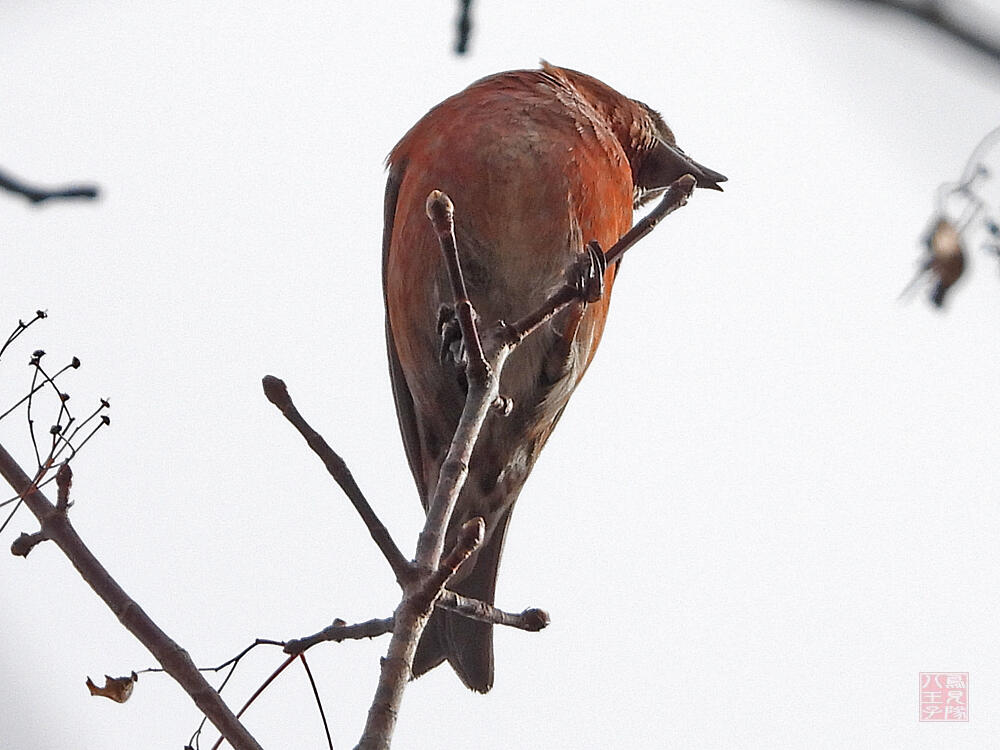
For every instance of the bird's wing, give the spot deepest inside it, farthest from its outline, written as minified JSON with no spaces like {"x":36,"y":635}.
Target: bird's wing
{"x":400,"y":391}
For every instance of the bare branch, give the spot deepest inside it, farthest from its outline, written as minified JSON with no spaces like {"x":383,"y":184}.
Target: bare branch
{"x":232,"y":663}
{"x":37,"y":194}
{"x":532,"y":619}
{"x":55,"y":525}
{"x":35,"y":388}
{"x":319,"y":703}
{"x":515,"y":333}
{"x":277,"y":394}
{"x":931,"y":13}
{"x":464,"y":26}
{"x":441,"y":212}
{"x":470,"y":536}
{"x":675,"y":197}
{"x":339,"y":631}
{"x":64,"y":480}
{"x":21,"y":328}
{"x":21,"y":546}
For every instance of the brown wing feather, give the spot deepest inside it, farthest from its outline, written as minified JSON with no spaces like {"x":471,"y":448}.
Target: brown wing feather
{"x":400,"y":391}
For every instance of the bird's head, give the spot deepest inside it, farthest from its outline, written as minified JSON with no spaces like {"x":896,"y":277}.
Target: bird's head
{"x":647,"y":140}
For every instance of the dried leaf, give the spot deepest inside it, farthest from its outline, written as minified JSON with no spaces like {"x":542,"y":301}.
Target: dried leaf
{"x":947,"y":261}
{"x":118,"y":689}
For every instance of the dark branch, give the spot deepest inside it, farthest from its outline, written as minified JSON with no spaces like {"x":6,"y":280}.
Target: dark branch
{"x":932,"y":14}
{"x":257,"y":693}
{"x":37,"y":194}
{"x":464,"y":26}
{"x":64,"y":480}
{"x":319,"y":702}
{"x":21,"y":546}
{"x":21,"y":328}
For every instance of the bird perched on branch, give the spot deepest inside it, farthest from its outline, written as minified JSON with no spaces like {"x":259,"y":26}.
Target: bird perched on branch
{"x":538,"y":163}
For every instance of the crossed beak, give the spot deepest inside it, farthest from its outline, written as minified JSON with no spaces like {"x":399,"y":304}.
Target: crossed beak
{"x":666,"y":162}
{"x":684,"y":164}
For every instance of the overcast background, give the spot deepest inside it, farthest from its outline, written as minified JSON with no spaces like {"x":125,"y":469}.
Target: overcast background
{"x":771,"y":503}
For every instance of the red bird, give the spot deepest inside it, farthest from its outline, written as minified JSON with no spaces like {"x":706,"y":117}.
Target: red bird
{"x":537,"y":163}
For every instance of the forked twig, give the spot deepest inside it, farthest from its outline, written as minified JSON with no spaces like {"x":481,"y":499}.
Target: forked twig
{"x":483,"y":377}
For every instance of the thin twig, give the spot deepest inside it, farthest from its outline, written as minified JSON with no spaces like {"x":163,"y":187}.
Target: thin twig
{"x":38,"y":387}
{"x":515,"y":333}
{"x":256,"y":694}
{"x":232,"y":661}
{"x":232,"y":664}
{"x":441,"y":212}
{"x":31,"y":422}
{"x":464,"y":26}
{"x":340,"y":631}
{"x":21,"y":328}
{"x":277,"y":394}
{"x":37,"y":194}
{"x":319,"y":703}
{"x":532,"y":619}
{"x":675,"y":197}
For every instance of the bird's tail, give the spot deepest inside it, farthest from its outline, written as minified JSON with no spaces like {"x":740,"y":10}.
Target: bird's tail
{"x":466,"y":644}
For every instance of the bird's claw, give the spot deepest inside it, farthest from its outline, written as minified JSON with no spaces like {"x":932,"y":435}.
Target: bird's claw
{"x":588,"y":273}
{"x":453,"y":351}
{"x":504,"y":405}
{"x":450,"y":333}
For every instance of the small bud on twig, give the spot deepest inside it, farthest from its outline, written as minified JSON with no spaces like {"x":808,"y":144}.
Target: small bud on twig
{"x":441,"y":211}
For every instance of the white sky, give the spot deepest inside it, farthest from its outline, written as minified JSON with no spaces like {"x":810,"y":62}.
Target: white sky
{"x":772,"y":502}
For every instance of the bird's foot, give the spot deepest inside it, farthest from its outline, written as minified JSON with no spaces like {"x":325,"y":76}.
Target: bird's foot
{"x":452,"y":352}
{"x":587,"y":274}
{"x":450,"y":333}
